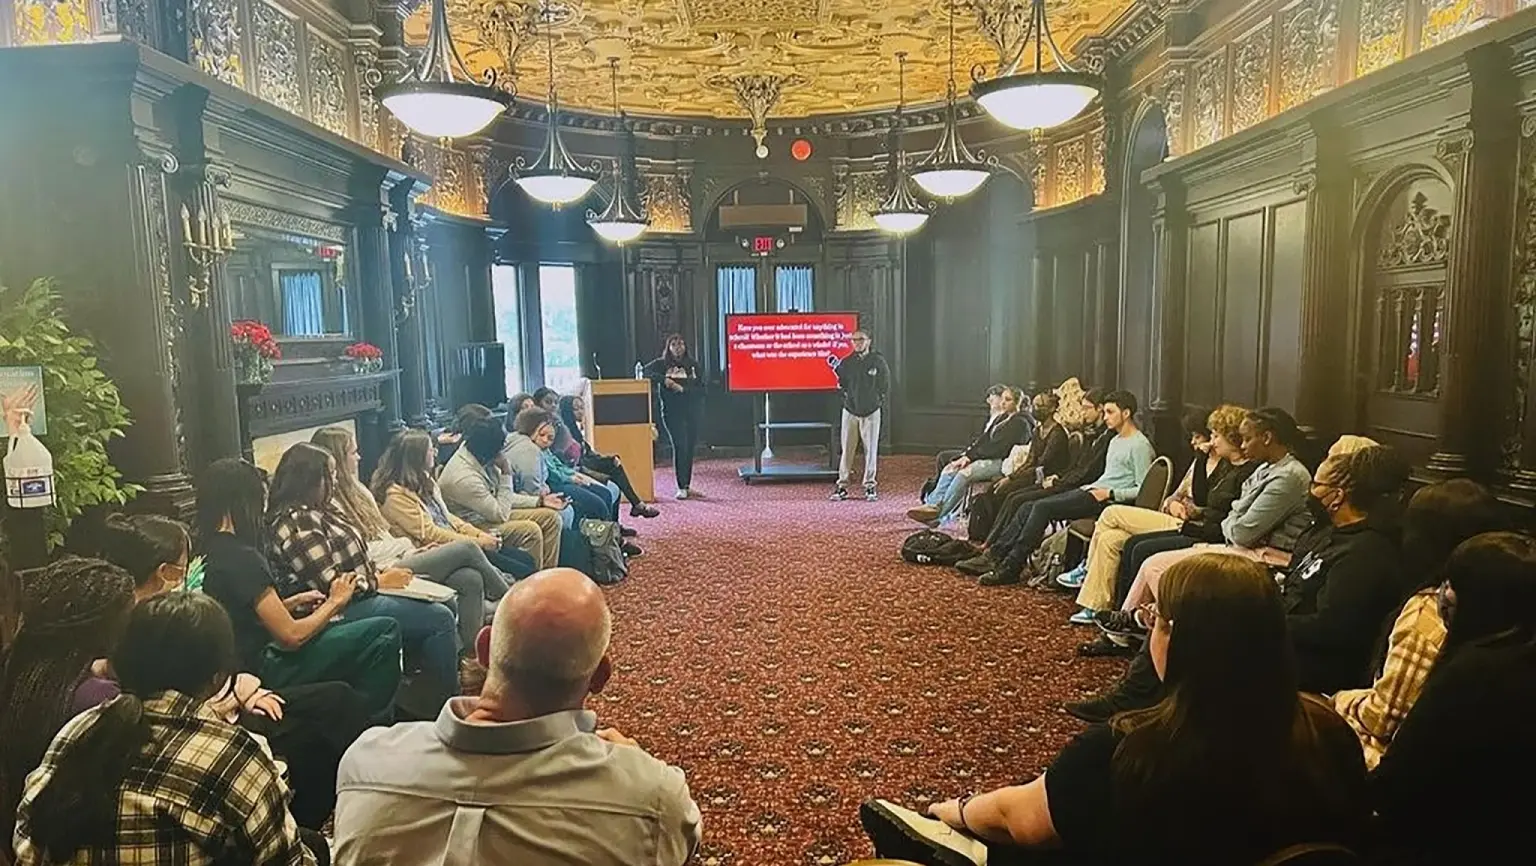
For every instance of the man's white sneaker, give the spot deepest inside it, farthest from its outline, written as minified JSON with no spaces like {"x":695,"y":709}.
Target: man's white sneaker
{"x":903,"y":834}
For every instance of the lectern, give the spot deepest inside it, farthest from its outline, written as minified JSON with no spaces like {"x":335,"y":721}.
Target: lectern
{"x":619,"y":418}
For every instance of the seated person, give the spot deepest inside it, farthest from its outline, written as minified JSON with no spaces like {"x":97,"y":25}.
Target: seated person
{"x":309,"y":726}
{"x":1201,"y":501}
{"x":1442,"y":792}
{"x":1439,"y":518}
{"x":71,"y":613}
{"x":572,"y":413}
{"x":994,"y":398}
{"x":1016,"y":492}
{"x":479,"y":491}
{"x":1231,"y":766}
{"x":286,"y":641}
{"x":1126,"y":461}
{"x":151,"y":776}
{"x":532,"y":434}
{"x":550,"y":787}
{"x":318,"y":547}
{"x":982,"y":460}
{"x":1047,"y":454}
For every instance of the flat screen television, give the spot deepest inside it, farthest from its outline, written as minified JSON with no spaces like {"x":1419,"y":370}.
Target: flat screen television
{"x":786,"y":351}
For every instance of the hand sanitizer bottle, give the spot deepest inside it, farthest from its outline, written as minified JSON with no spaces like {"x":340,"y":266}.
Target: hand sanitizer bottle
{"x":28,"y":469}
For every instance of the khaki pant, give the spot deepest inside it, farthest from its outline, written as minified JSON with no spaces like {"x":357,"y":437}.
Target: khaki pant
{"x":1114,"y":528}
{"x":535,"y":531}
{"x":856,"y":430}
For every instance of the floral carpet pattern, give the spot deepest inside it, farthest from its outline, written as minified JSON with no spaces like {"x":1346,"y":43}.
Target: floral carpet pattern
{"x":775,"y":645}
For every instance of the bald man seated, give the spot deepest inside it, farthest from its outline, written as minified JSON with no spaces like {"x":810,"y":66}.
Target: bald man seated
{"x":521,"y":774}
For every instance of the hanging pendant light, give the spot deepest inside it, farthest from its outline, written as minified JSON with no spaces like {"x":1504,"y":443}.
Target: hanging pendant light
{"x":619,"y":222}
{"x":950,"y":171}
{"x":1042,"y":98}
{"x":555,"y":178}
{"x":900,"y":213}
{"x":431,"y":101}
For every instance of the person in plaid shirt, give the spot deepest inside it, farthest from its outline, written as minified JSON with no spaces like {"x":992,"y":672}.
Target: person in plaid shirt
{"x":309,"y":539}
{"x":154,"y":776}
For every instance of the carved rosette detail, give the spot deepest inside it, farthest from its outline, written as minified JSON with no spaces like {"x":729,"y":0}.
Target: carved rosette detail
{"x":327,"y":85}
{"x":277,"y":57}
{"x":1173,"y":108}
{"x":1421,"y":237}
{"x":666,"y":200}
{"x":213,"y":34}
{"x":1071,"y":165}
{"x":1250,"y":78}
{"x":1210,"y":95}
{"x":1381,"y":34}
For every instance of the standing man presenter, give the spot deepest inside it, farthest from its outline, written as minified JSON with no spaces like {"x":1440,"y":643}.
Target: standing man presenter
{"x":864,"y":379}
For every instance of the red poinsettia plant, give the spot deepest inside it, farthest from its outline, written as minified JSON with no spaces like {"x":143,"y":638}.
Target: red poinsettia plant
{"x":258,"y":337}
{"x":363,"y":352}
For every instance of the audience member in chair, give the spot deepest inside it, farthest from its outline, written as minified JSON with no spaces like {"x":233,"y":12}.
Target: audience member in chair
{"x":946,"y":456}
{"x":548,"y":786}
{"x":1447,"y":791}
{"x":1190,"y":514}
{"x":982,"y":460}
{"x":286,"y":641}
{"x":480,"y":491}
{"x":1231,"y":766}
{"x":573,"y":414}
{"x":308,"y":726}
{"x":1440,"y":517}
{"x":1126,"y":462}
{"x":680,"y":388}
{"x":319,"y":548}
{"x":533,"y":432}
{"x":152,"y":776}
{"x":1046,"y":455}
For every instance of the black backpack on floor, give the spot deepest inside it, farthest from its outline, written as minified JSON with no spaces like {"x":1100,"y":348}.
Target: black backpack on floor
{"x":930,"y":547}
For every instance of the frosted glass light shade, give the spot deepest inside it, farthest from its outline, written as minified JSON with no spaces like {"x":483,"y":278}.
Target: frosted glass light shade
{"x":900,"y":222}
{"x":444,"y":109}
{"x":950,"y":182}
{"x":620,"y":231}
{"x":1036,"y":100}
{"x":556,"y":188}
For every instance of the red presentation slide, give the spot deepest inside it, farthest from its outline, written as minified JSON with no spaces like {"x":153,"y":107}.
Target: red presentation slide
{"x":786,"y":351}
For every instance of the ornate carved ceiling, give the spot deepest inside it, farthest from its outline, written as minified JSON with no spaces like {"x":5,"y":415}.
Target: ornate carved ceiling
{"x":697,"y":57}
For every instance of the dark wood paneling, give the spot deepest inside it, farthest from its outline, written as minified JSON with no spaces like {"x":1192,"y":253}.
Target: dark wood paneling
{"x":1202,"y":380}
{"x":1242,"y":300}
{"x":1282,"y":372}
{"x":1069,"y":299}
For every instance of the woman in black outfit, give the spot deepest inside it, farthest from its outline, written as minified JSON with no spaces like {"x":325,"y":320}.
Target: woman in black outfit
{"x":1233,"y":765}
{"x":677,"y":381}
{"x":606,"y":465}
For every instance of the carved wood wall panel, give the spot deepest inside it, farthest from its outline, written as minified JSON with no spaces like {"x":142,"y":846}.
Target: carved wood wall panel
{"x":859,"y":194}
{"x":1251,"y":74}
{"x":668,"y":200}
{"x":1383,"y":27}
{"x":1071,"y":168}
{"x":1447,"y":19}
{"x":277,"y":57}
{"x":1518,"y":450}
{"x":1209,"y":100}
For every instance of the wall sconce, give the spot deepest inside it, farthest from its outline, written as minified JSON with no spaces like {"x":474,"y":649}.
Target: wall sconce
{"x":418,"y":277}
{"x":207,"y":238}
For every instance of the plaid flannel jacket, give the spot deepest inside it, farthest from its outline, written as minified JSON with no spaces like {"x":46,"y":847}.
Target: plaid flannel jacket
{"x":316,"y":546}
{"x":203,"y":791}
{"x":1376,"y":713}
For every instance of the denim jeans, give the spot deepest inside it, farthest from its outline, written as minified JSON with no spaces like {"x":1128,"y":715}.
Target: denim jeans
{"x":1037,"y":516}
{"x":596,"y":502}
{"x":950,"y":491}
{"x":426,"y":629}
{"x":463,"y":567}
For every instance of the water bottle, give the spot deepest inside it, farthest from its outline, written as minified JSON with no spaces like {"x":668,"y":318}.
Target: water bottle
{"x":28,"y":469}
{"x":639,"y":370}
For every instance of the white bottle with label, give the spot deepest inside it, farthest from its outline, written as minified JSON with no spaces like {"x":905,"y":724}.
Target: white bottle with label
{"x":28,"y":469}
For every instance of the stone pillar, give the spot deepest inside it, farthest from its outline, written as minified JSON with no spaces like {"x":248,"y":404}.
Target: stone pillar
{"x":1480,"y":153}
{"x":1170,"y":230}
{"x":1324,"y":179}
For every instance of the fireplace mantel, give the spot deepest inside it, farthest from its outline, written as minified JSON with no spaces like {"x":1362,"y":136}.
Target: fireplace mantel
{"x":281,"y":407}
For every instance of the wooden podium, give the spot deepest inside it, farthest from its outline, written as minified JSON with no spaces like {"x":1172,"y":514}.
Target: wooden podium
{"x":619,"y":418}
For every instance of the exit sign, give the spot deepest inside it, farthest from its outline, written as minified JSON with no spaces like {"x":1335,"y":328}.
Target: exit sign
{"x":762,"y":245}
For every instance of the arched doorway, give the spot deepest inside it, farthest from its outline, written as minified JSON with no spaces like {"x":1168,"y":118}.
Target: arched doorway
{"x":1146,"y":146}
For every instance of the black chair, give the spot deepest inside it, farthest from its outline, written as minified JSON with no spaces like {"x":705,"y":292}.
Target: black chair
{"x":1154,"y":489}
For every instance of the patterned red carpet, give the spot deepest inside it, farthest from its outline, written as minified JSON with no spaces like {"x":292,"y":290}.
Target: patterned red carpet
{"x":774,"y":645}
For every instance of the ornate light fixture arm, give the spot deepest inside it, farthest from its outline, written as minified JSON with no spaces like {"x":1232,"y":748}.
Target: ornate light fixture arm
{"x":206,"y":235}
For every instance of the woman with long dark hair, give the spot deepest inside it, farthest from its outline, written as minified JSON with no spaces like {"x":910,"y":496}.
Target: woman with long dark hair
{"x":71,"y":613}
{"x":676,"y":378}
{"x":573,"y":413}
{"x":286,"y":637}
{"x":1446,"y":790}
{"x":1232,"y":765}
{"x":306,"y":536}
{"x":101,"y":792}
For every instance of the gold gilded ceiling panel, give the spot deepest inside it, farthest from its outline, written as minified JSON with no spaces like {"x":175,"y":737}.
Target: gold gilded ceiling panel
{"x":680,"y":57}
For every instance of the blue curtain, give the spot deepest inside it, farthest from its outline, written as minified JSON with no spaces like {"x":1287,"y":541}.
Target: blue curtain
{"x":793,"y":288}
{"x":303,"y":309}
{"x":736,"y":291}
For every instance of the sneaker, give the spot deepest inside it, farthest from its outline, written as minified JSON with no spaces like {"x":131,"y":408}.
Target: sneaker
{"x":1073,"y":579}
{"x":1082,"y":617}
{"x":640,"y":509}
{"x":681,"y":494}
{"x":903,"y":834}
{"x":626,"y":532}
{"x":998,"y":577}
{"x":976,"y":565}
{"x":928,"y":514}
{"x":869,"y":493}
{"x":1103,"y":647}
{"x":1094,"y":710}
{"x":1119,"y":623}
{"x":631,"y":549}
{"x":694,"y":493}
{"x":839,"y":493}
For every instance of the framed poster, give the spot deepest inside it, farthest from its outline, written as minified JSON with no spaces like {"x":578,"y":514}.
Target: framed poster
{"x":21,"y":388}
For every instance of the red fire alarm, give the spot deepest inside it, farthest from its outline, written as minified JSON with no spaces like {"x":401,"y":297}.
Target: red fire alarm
{"x":800,"y":150}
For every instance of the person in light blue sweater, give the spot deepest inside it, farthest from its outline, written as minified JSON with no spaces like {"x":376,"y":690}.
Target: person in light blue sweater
{"x":1129,"y":457}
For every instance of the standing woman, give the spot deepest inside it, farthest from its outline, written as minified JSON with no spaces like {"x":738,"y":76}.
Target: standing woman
{"x":676,"y":376}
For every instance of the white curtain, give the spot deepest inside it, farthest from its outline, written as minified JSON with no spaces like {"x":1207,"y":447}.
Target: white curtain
{"x":735,"y":292}
{"x":303,"y":308}
{"x":793,"y":288}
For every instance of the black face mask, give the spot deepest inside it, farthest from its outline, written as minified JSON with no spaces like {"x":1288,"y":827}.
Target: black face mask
{"x":1318,"y":510}
{"x":1043,"y":413}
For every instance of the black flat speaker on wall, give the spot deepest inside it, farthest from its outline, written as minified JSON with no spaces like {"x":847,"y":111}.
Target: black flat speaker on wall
{"x":479,"y":375}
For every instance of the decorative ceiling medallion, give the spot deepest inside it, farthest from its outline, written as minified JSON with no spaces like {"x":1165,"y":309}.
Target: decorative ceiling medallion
{"x":671,"y":50}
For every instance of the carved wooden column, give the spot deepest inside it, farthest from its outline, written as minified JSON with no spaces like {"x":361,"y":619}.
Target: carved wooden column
{"x":375,"y":223}
{"x":1519,"y":445}
{"x":1041,"y":279}
{"x":1170,"y":243}
{"x":409,"y":265}
{"x":1480,"y":154}
{"x":1324,"y":179}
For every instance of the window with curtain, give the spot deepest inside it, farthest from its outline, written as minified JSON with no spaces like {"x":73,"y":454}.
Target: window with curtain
{"x":303,"y":304}
{"x":735,"y":292}
{"x":793,"y":288}
{"x":509,"y":323}
{"x":557,"y":311}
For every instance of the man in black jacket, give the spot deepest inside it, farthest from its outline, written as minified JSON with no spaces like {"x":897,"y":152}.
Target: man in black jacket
{"x":982,"y":460}
{"x":864,"y":379}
